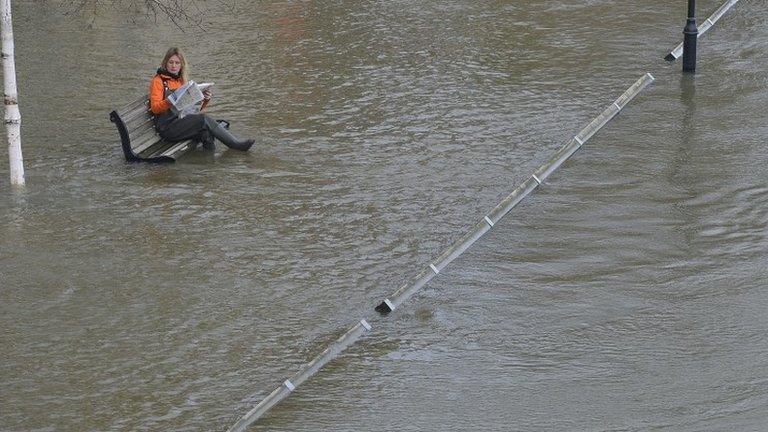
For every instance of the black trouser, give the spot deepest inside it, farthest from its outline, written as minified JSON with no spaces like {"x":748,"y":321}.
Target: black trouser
{"x":200,"y":127}
{"x":172,"y":128}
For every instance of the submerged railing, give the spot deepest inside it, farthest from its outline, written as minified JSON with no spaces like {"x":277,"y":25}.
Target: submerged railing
{"x":528,"y":186}
{"x":706,"y":25}
{"x":406,"y":291}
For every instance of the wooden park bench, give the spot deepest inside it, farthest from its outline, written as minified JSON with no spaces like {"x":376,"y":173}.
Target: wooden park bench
{"x":140,"y":140}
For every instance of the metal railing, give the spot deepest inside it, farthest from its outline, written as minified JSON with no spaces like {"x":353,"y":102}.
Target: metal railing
{"x":703,"y":28}
{"x":450,"y":254}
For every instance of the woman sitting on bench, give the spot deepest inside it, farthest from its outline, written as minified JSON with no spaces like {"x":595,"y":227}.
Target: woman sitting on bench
{"x":172,"y":75}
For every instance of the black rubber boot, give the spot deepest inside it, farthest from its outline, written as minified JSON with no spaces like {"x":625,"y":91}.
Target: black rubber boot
{"x":227,"y":138}
{"x":206,"y":138}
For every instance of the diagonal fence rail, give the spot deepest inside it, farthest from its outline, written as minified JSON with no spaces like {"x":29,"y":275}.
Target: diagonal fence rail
{"x":450,"y":254}
{"x":703,"y":28}
{"x":508,"y":203}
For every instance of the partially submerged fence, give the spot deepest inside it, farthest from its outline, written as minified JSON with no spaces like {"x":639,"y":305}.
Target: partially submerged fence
{"x":528,"y":186}
{"x":706,"y":25}
{"x":450,"y":254}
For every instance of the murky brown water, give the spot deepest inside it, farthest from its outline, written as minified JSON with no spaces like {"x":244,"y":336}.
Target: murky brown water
{"x":628,"y":294}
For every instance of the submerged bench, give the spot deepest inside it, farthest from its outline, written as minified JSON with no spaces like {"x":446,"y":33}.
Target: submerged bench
{"x":140,"y":140}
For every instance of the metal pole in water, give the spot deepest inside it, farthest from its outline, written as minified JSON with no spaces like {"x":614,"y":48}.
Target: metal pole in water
{"x":677,"y":52}
{"x":691,"y":35}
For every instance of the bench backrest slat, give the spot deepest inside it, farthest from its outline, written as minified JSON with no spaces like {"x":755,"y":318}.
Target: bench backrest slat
{"x":136,"y":117}
{"x":141,"y":131}
{"x":141,"y":104}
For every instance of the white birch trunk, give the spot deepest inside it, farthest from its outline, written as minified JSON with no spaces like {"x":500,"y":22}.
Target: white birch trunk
{"x":12,"y":114}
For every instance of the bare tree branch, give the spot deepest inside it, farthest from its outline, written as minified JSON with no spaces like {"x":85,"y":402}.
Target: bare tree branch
{"x":181,"y":13}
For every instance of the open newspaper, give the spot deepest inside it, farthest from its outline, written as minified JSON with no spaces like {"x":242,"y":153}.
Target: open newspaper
{"x":188,"y":99}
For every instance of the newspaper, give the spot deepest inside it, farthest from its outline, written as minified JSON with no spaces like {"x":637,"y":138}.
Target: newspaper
{"x":188,"y":99}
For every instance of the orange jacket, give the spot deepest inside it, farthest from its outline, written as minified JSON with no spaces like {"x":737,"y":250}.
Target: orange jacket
{"x":158,"y":102}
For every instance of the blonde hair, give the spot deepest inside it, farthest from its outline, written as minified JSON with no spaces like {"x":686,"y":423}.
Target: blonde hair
{"x":173,"y":51}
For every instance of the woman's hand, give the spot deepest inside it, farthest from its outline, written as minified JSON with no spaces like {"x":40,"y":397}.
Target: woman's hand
{"x":207,"y":94}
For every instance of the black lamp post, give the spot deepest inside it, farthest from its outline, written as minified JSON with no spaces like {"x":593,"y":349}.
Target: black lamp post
{"x":689,"y":42}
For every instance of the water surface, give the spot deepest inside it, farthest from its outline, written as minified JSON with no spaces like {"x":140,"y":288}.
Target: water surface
{"x":624,"y":295}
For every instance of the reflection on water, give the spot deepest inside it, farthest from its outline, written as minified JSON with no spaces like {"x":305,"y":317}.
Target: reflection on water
{"x":625,"y":295}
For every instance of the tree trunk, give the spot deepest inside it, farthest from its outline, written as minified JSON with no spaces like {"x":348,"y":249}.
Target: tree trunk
{"x":12,"y":114}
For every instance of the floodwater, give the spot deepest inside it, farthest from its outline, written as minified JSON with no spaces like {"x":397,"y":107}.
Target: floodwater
{"x":628,"y":294}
